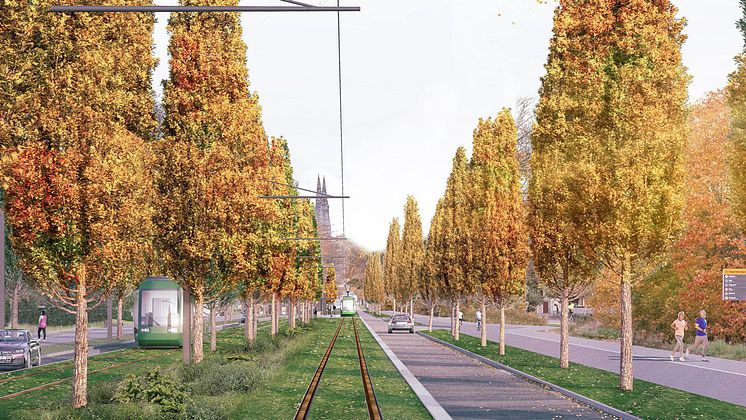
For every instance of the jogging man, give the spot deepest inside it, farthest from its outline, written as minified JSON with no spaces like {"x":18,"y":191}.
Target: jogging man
{"x":700,"y":324}
{"x":479,"y":319}
{"x":679,"y":326}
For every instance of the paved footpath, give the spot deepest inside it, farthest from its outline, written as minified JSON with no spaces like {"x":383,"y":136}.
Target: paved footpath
{"x":721,"y":379}
{"x":468,"y":389}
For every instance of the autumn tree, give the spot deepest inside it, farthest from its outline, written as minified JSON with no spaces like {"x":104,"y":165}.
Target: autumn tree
{"x":616,"y":88}
{"x":213,"y":142}
{"x":391,"y":261}
{"x":330,"y":284}
{"x":432,"y":277}
{"x":498,"y":232}
{"x":75,"y":115}
{"x":373,"y":287}
{"x":456,"y":250}
{"x":413,"y":252}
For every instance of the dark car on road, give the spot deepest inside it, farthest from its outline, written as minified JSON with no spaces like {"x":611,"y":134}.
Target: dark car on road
{"x":18,"y":350}
{"x":401,"y":322}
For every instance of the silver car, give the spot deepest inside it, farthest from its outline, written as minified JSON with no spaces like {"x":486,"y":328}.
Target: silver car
{"x":18,"y":350}
{"x":401,"y":322}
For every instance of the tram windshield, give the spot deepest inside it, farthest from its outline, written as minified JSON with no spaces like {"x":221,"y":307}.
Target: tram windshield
{"x":159,"y":309}
{"x":348,"y":304}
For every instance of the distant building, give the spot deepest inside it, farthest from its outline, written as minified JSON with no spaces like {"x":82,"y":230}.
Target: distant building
{"x":333,"y":252}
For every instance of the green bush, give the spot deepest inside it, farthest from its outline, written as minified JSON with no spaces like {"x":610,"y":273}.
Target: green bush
{"x":233,"y":377}
{"x":154,"y":388}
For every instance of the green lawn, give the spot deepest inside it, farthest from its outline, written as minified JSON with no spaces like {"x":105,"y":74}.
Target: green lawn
{"x":647,"y":400}
{"x":265,"y":380}
{"x":341,"y":387}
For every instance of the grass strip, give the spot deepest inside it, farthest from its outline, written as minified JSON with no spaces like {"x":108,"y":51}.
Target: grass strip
{"x":341,"y":389}
{"x":647,"y":400}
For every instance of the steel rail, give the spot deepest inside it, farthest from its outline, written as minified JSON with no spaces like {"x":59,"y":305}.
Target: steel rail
{"x":49,"y":384}
{"x":305,"y":405}
{"x":374,"y":411}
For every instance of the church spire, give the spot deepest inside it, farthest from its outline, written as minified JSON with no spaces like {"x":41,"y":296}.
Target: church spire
{"x":318,"y":183}
{"x":323,"y":188}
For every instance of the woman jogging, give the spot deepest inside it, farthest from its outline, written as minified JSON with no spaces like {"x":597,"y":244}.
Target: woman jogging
{"x":679,"y":326}
{"x":701,"y":336}
{"x":42,"y":326}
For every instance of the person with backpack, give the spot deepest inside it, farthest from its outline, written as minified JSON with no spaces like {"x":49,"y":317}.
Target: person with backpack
{"x":42,"y":326}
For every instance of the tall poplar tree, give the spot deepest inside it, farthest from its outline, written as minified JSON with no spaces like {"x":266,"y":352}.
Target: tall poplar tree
{"x":737,"y":102}
{"x":212,"y":140}
{"x":391,"y":261}
{"x":373,"y":287}
{"x":432,"y":277}
{"x":75,"y":114}
{"x":498,"y":233}
{"x":413,"y":252}
{"x":456,"y":251}
{"x":616,"y":90}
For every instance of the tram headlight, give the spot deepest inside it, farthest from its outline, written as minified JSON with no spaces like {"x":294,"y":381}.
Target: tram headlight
{"x":19,"y":351}
{"x":144,"y":329}
{"x":173,"y":330}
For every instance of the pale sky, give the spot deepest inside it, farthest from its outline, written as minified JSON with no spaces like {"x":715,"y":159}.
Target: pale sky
{"x":416,"y":76}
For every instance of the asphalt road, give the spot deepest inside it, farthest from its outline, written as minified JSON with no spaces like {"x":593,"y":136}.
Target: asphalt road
{"x":721,"y":379}
{"x":468,"y":389}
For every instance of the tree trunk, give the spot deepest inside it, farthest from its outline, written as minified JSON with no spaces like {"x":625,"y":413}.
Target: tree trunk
{"x":625,"y":362}
{"x":253,"y":318}
{"x":411,"y":308}
{"x":453,"y":318}
{"x":291,"y":314}
{"x":502,"y":330}
{"x":80,"y":368}
{"x":483,"y":332}
{"x":273,"y":315}
{"x":213,"y":328}
{"x":430,"y":321}
{"x":458,"y":323}
{"x":120,"y":323}
{"x":199,"y":327}
{"x":14,"y":308}
{"x":393,"y":305}
{"x":564,"y":331}
{"x":227,"y":314}
{"x":186,"y":327}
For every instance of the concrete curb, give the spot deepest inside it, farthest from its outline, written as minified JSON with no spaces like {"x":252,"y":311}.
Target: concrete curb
{"x":575,"y":396}
{"x":430,"y":403}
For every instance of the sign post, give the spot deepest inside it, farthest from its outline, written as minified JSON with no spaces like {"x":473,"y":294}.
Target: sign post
{"x":734,"y":284}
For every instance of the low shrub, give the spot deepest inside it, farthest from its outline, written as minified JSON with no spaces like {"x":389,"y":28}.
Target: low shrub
{"x":154,"y":388}
{"x":232,"y":377}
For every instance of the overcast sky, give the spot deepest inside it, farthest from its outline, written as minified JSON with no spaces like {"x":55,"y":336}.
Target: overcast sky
{"x":416,"y":76}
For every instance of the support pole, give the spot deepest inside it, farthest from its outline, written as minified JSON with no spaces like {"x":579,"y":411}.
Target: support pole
{"x":108,"y":319}
{"x":186,"y":329}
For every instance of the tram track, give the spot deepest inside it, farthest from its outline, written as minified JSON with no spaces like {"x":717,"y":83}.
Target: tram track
{"x":374,"y":411}
{"x":59,"y":381}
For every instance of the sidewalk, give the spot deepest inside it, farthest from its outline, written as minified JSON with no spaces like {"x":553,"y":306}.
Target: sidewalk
{"x":721,"y":379}
{"x":468,"y":389}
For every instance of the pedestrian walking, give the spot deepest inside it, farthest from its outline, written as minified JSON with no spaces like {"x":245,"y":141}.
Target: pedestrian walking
{"x":571,"y":309}
{"x":460,"y":318}
{"x":700,"y":337}
{"x":479,"y":319}
{"x":679,"y":326}
{"x":42,"y":326}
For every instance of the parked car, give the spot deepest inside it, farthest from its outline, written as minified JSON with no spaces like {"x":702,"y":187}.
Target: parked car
{"x":18,"y":350}
{"x":401,"y":322}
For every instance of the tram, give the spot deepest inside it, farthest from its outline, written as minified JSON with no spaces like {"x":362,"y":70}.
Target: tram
{"x":157,"y":313}
{"x":349,"y":307}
